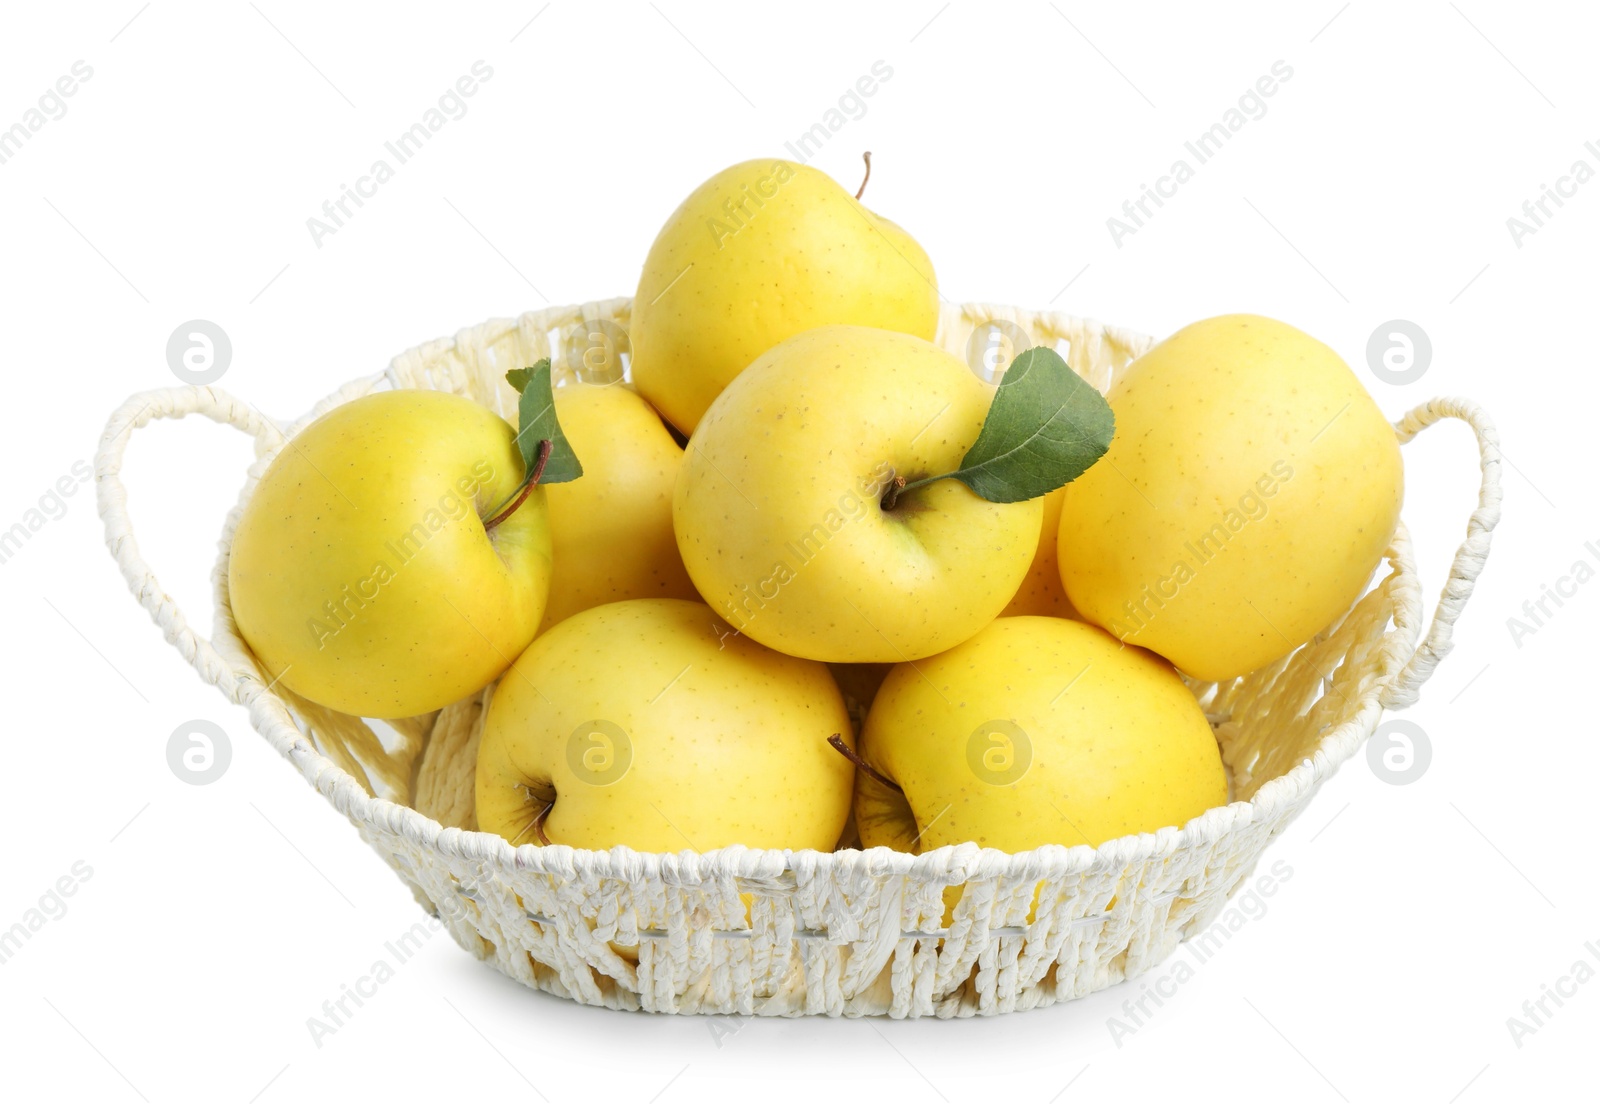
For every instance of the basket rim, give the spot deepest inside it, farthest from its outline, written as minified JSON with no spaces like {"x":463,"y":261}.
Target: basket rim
{"x":271,"y":716}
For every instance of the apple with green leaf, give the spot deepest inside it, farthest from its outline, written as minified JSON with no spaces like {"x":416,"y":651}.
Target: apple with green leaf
{"x":395,"y":555}
{"x":860,"y":495}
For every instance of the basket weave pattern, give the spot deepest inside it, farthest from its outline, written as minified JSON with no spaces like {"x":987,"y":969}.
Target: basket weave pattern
{"x":844,"y":933}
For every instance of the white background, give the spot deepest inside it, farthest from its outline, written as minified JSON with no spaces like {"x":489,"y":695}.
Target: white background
{"x":218,"y":919}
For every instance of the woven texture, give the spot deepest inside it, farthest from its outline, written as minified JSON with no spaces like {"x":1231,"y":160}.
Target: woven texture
{"x":844,"y":933}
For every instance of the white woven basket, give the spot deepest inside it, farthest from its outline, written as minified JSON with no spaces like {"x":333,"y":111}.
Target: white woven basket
{"x":843,"y":933}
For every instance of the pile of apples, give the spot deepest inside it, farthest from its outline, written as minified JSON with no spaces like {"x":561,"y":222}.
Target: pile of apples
{"x":874,"y":598}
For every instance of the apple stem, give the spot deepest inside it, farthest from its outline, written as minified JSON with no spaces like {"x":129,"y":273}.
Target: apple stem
{"x":536,"y":824}
{"x":891,"y":495}
{"x":866,"y":156}
{"x":545,"y":445}
{"x":900,"y":487}
{"x":854,"y":758}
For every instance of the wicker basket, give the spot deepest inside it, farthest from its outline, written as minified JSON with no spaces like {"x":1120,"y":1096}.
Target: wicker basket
{"x":844,"y":933}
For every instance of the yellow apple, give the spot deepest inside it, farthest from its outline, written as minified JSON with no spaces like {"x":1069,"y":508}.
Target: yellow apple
{"x":362,"y":574}
{"x":1041,"y":591}
{"x":612,"y":530}
{"x":1252,"y":487}
{"x":778,"y":506}
{"x":1038,"y":731}
{"x":758,"y":253}
{"x":651,"y":724}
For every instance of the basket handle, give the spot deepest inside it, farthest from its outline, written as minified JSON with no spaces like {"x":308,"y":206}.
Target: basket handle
{"x":138,"y":411}
{"x":1470,"y":555}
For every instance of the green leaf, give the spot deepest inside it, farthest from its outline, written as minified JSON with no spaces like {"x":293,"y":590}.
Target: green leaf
{"x":518,"y":378}
{"x":1044,"y":429}
{"x":536,"y":416}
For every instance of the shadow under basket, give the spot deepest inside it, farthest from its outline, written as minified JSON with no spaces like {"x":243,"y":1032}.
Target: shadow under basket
{"x":844,"y":933}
